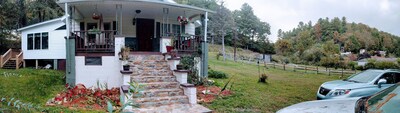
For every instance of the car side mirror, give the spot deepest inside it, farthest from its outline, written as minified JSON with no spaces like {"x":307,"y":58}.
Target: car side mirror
{"x":381,"y":81}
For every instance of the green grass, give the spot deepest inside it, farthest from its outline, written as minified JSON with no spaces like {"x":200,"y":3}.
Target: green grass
{"x":32,"y":86}
{"x":284,"y":88}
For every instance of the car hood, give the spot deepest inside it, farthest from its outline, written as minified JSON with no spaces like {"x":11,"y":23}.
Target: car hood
{"x":323,"y":106}
{"x":340,"y":84}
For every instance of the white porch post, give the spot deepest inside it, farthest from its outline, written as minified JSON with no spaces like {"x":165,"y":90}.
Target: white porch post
{"x":67,"y":19}
{"x":204,"y":63}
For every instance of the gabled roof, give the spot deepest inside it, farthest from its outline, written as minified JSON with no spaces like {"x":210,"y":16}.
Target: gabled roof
{"x":41,"y":23}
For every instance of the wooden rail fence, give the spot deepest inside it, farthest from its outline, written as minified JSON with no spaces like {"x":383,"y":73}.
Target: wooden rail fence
{"x":310,"y":69}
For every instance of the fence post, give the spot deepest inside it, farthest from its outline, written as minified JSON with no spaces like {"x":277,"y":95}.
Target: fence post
{"x":342,"y":72}
{"x":305,"y":68}
{"x":317,"y":69}
{"x":294,"y":68}
{"x":274,"y":65}
{"x":284,"y":67}
{"x":329,"y":72}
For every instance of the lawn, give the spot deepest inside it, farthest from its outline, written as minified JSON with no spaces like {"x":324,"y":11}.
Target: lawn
{"x":31,"y":86}
{"x":284,"y":88}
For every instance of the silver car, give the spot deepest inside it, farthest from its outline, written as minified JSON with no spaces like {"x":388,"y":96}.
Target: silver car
{"x":386,"y":101}
{"x":362,"y":84}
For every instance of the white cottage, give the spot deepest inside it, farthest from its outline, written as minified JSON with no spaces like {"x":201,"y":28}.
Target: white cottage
{"x":43,"y":44}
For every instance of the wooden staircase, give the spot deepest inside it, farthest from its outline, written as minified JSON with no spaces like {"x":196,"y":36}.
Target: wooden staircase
{"x":12,"y":59}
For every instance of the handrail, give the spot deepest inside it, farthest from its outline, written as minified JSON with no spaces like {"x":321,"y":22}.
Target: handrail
{"x":19,"y":59}
{"x":4,"y":58}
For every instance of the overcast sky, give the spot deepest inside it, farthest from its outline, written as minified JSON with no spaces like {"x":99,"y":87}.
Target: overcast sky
{"x":286,"y":14}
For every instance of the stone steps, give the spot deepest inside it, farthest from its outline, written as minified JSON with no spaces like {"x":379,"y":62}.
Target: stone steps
{"x":160,"y":85}
{"x":160,"y":101}
{"x":162,"y":93}
{"x":148,"y":79}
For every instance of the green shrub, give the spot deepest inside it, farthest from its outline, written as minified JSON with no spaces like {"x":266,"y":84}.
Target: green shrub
{"x":217,"y":74}
{"x":359,"y":67}
{"x":352,"y":65}
{"x":373,"y":64}
{"x":386,"y":65}
{"x":398,"y":61}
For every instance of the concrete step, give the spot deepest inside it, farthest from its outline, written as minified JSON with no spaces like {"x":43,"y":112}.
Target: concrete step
{"x":160,"y":101}
{"x":162,"y":93}
{"x":148,"y":79}
{"x":160,"y":85}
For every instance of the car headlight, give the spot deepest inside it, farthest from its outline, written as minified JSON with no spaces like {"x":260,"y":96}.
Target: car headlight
{"x":339,"y":92}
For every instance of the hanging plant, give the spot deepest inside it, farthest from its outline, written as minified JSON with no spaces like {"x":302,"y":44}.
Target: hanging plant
{"x":183,"y":20}
{"x":95,"y":16}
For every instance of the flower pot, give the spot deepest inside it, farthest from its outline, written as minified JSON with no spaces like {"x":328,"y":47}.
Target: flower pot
{"x":169,"y":48}
{"x":126,"y":67}
{"x":179,"y":67}
{"x":95,"y":16}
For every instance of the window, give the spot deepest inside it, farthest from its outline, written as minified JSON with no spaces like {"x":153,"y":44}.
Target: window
{"x":93,"y":61}
{"x":178,"y":29}
{"x":30,"y":41}
{"x":165,"y":29}
{"x":391,"y":78}
{"x":38,"y":41}
{"x":45,"y":40}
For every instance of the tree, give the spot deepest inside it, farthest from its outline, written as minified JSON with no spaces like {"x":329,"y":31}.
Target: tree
{"x":280,"y":33}
{"x":8,"y":23}
{"x":246,"y":22}
{"x":221,"y":23}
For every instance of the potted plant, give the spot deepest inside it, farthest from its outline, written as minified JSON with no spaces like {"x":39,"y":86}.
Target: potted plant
{"x":179,"y":66}
{"x":124,"y":54}
{"x":263,"y":78}
{"x":170,"y":46}
{"x":94,"y":31}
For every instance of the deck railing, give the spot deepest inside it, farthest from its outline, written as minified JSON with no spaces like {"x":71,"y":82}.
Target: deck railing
{"x":90,"y":41}
{"x":18,"y":60}
{"x":5,"y":57}
{"x":187,"y":43}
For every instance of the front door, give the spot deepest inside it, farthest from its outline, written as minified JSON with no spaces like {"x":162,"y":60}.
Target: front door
{"x":145,"y":34}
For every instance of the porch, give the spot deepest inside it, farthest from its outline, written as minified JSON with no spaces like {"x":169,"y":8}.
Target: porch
{"x":146,"y":26}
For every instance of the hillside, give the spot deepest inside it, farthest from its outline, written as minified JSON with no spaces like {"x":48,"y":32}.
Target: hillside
{"x":312,"y":43}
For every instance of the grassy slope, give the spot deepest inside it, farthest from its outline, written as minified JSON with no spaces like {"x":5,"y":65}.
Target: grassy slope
{"x":30,"y":85}
{"x":33,"y":86}
{"x":284,"y":88}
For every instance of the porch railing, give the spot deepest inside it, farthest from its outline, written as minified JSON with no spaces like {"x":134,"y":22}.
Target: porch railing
{"x":187,"y":43}
{"x":94,"y":41}
{"x":5,"y":57}
{"x":18,"y":60}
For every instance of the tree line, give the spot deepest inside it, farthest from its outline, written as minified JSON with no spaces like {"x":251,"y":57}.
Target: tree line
{"x":16,"y":14}
{"x":321,"y":43}
{"x":239,"y":28}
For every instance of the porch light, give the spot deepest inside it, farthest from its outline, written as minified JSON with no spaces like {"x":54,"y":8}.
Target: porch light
{"x":134,"y":18}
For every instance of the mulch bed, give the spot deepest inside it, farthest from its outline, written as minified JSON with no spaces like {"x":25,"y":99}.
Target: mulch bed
{"x":212,"y":94}
{"x":80,"y":97}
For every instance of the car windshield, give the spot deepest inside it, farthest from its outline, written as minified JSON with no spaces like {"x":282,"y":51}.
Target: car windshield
{"x":364,"y":77}
{"x":387,"y":101}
